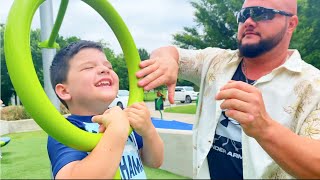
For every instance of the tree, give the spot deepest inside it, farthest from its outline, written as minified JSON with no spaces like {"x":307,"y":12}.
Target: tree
{"x":6,"y":85}
{"x":65,"y":41}
{"x":7,"y":90}
{"x":143,"y":54}
{"x":216,"y":25}
{"x":36,"y":53}
{"x":306,"y":37}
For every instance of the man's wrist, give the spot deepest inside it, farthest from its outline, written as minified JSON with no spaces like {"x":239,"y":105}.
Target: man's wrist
{"x":268,"y":133}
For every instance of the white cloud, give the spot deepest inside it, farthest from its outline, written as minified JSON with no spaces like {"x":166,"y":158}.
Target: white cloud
{"x":151,"y":22}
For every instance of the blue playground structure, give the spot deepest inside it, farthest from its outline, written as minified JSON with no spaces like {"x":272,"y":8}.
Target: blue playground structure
{"x":3,"y":141}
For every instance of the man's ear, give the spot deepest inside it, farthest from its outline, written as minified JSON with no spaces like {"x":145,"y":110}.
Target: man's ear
{"x":63,"y":92}
{"x":293,"y":23}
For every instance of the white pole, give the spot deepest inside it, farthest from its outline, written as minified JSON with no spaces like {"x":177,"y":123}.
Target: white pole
{"x":46,"y":19}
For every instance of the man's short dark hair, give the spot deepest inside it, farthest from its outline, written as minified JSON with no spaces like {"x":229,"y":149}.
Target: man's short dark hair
{"x":60,"y":65}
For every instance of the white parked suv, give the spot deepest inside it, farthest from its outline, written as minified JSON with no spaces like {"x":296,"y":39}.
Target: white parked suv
{"x":185,"y":94}
{"x":121,"y":100}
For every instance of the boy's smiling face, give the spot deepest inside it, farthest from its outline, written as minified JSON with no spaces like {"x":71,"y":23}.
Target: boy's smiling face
{"x":91,"y":82}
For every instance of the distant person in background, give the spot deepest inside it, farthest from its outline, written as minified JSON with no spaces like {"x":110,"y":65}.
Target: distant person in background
{"x":259,"y":106}
{"x":159,"y":94}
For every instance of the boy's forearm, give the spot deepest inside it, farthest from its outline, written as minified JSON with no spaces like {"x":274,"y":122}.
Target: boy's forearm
{"x":105,"y":158}
{"x":153,"y":150}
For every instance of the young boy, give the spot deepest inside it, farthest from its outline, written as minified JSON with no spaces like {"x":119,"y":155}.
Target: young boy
{"x":85,"y":83}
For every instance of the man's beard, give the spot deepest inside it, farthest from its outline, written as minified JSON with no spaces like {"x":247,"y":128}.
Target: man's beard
{"x":263,"y":46}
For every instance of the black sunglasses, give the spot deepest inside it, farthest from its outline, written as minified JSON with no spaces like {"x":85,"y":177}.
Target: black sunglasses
{"x":258,"y":13}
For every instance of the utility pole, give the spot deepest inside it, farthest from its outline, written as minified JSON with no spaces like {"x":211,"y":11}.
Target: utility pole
{"x":46,"y":20}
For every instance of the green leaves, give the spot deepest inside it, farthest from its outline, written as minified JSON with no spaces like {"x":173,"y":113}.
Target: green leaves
{"x":306,"y":37}
{"x":216,"y":25}
{"x":117,"y":61}
{"x":6,"y":85}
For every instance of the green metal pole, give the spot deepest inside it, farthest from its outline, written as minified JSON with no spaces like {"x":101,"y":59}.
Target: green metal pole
{"x":55,"y":30}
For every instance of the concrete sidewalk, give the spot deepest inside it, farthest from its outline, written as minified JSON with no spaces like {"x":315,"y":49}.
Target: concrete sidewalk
{"x":177,"y":143}
{"x":187,"y":118}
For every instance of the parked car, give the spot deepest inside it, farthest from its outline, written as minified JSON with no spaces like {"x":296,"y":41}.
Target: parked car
{"x":1,"y":103}
{"x":121,"y":100}
{"x":185,"y":94}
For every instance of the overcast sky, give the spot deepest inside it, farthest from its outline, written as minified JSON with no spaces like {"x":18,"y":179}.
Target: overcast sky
{"x":151,"y":22}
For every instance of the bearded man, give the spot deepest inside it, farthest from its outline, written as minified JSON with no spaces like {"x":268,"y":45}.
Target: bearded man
{"x":258,"y":113}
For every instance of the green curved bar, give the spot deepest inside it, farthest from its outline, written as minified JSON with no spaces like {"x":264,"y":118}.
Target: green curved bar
{"x":50,"y":43}
{"x":28,"y":87}
{"x":26,"y":83}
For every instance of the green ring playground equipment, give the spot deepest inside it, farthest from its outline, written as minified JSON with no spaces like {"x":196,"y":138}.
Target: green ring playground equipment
{"x":26,"y":82}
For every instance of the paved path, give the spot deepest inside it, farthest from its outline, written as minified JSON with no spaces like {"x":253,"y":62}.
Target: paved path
{"x":188,"y":118}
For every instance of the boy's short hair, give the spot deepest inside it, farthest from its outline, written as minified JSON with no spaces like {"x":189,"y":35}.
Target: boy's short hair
{"x":60,"y":65}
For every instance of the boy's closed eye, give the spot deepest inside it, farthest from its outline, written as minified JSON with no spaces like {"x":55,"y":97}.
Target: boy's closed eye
{"x":87,"y":68}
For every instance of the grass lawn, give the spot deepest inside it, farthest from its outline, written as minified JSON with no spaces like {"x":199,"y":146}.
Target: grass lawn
{"x":151,"y":95}
{"x":26,"y":157}
{"x":188,"y":109}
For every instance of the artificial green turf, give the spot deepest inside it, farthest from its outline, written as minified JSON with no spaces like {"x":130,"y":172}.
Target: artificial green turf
{"x":188,"y":109}
{"x":26,"y":157}
{"x":161,"y":174}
